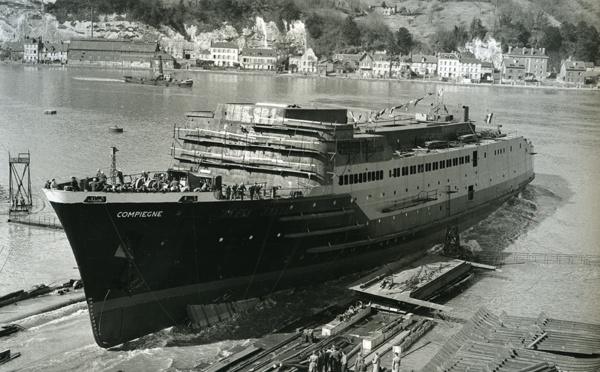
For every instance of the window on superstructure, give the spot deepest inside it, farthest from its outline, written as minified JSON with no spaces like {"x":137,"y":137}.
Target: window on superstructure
{"x":454,"y":162}
{"x":461,"y":160}
{"x":360,"y":178}
{"x":435,"y":166}
{"x":340,"y":180}
{"x":448,"y":163}
{"x":420,"y":168}
{"x":370,"y":176}
{"x":405,"y":171}
{"x":413,"y":169}
{"x":345,"y":179}
{"x":428,"y":167}
{"x":355,"y":177}
{"x":380,"y":174}
{"x":442,"y":164}
{"x":467,"y":159}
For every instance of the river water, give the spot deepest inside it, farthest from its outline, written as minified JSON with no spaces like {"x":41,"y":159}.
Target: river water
{"x":558,"y":213}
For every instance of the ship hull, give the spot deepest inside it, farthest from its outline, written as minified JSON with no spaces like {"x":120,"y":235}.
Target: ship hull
{"x":140,"y":271}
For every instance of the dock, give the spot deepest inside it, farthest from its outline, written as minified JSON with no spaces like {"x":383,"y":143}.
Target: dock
{"x":415,"y":285}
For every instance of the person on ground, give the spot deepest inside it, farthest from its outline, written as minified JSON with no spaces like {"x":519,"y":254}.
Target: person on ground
{"x":359,"y":364}
{"x":53,"y":184}
{"x":375,"y":362}
{"x":343,"y":362}
{"x":396,"y":362}
{"x":312,"y":362}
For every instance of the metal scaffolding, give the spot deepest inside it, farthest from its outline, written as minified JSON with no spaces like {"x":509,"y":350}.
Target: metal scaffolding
{"x":20,"y":183}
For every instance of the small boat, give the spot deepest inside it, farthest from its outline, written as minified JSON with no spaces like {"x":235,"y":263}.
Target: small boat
{"x":50,"y":112}
{"x":6,"y":356}
{"x":116,"y":129}
{"x":160,"y":80}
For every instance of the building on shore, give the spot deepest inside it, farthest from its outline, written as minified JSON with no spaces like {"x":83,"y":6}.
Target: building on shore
{"x":326,"y":67}
{"x":14,"y":50}
{"x":112,"y":53}
{"x":534,"y":60}
{"x":487,"y":72}
{"x":225,"y":53}
{"x":32,"y":49}
{"x":365,"y":65}
{"x":54,"y":52}
{"x":424,"y":65}
{"x":470,"y":69}
{"x":449,"y":65}
{"x":572,"y":71}
{"x":258,"y":59}
{"x":346,"y":62}
{"x":512,"y":70}
{"x":306,"y":63}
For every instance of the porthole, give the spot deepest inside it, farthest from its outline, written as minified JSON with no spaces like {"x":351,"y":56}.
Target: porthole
{"x":279,"y":235}
{"x":251,"y":237}
{"x":314,"y":205}
{"x":291,"y":207}
{"x":334,"y":202}
{"x":221,"y":240}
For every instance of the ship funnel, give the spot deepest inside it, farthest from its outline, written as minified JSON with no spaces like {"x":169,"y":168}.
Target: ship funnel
{"x":466,"y":113}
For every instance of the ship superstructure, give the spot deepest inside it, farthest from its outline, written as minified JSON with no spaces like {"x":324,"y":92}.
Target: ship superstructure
{"x":266,"y":196}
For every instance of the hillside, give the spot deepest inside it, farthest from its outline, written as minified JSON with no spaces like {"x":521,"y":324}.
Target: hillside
{"x":426,"y":25}
{"x":423,"y":17}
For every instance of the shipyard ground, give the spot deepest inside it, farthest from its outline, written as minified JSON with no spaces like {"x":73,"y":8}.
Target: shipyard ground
{"x":282,"y":316}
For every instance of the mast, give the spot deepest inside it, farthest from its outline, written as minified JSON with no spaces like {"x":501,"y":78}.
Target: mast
{"x":113,"y":165}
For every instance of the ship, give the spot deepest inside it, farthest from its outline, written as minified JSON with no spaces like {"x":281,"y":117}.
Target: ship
{"x":160,"y":79}
{"x":262,"y":197}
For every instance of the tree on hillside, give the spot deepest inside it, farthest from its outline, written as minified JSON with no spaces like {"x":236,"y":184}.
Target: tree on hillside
{"x":477,"y":29}
{"x":587,"y":44}
{"x":350,"y":32}
{"x":404,"y":40}
{"x":375,"y":34}
{"x":314,"y":25}
{"x":289,"y":11}
{"x":552,"y":39}
{"x":449,"y":40}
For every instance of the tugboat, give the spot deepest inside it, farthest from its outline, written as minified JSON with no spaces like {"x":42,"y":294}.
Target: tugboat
{"x":160,"y":80}
{"x":262,"y":197}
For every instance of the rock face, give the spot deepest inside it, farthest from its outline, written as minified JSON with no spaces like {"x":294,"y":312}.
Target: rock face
{"x":488,"y":50}
{"x":25,"y":18}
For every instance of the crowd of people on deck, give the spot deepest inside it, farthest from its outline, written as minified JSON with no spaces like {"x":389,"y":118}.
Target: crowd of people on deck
{"x":159,"y":182}
{"x":235,"y":191}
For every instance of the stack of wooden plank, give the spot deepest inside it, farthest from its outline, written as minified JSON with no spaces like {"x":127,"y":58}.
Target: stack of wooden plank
{"x":506,"y":343}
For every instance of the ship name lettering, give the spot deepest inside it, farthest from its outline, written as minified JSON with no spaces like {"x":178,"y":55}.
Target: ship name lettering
{"x":139,"y":214}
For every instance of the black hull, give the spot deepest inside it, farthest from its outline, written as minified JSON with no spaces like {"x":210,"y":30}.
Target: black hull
{"x":140,"y":273}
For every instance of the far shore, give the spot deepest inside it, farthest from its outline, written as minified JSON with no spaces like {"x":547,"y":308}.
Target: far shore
{"x":554,"y":86}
